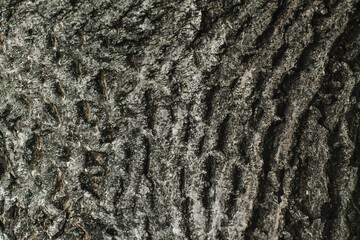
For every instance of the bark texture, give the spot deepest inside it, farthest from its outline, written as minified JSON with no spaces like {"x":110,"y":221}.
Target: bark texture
{"x":194,"y":119}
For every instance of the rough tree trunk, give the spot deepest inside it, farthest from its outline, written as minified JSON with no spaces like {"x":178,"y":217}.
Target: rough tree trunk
{"x":193,"y":119}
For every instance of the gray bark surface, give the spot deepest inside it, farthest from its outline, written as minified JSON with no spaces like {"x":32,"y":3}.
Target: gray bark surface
{"x":194,"y":119}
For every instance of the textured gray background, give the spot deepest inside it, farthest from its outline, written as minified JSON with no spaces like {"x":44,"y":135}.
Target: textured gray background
{"x":194,"y":119}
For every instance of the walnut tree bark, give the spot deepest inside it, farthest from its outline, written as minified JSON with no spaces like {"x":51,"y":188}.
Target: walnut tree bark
{"x":166,"y":119}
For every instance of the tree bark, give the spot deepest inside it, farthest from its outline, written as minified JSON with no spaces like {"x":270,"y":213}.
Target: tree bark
{"x":194,"y":119}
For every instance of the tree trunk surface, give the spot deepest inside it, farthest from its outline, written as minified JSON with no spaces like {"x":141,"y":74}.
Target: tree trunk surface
{"x":194,"y":119}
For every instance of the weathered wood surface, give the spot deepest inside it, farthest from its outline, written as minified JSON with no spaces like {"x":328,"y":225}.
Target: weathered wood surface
{"x":180,"y":119}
